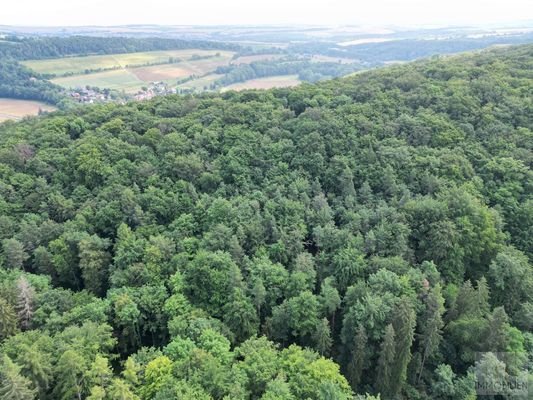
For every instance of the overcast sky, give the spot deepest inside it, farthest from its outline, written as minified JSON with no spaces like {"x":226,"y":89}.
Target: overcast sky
{"x":209,"y":12}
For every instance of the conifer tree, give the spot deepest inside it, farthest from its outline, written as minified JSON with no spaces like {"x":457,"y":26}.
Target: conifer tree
{"x":497,"y":338}
{"x":359,"y":357}
{"x":25,"y":300}
{"x":431,"y":332}
{"x":8,"y":319}
{"x":404,"y":326}
{"x":482,"y":298}
{"x":386,"y":362}
{"x":322,"y":337}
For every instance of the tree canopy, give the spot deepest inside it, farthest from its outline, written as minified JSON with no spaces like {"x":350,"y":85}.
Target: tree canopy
{"x":360,"y":237}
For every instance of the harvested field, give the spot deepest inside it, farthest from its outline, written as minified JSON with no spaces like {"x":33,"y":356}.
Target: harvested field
{"x":17,"y":109}
{"x":265,"y":83}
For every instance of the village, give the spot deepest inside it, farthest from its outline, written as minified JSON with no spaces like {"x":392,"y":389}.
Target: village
{"x":154,"y":89}
{"x":91,"y":95}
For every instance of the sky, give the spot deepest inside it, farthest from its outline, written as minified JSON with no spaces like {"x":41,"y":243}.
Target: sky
{"x":264,"y":12}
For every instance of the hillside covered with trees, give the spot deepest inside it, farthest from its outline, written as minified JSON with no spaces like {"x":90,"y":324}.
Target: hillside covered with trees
{"x":366,"y":236}
{"x":19,"y":82}
{"x":35,"y":48}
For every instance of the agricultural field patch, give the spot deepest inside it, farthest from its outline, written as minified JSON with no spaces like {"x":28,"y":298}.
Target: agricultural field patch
{"x":265,"y":83}
{"x":16,"y":109}
{"x":120,"y":79}
{"x":171,"y":72}
{"x":160,"y":72}
{"x":202,"y":67}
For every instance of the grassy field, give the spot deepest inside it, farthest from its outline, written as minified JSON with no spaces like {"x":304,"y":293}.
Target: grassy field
{"x":78,"y":65}
{"x":16,"y":109}
{"x":132,"y":79}
{"x":265,"y":83}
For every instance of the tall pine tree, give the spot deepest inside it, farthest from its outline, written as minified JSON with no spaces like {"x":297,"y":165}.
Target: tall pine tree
{"x":359,"y":357}
{"x":322,"y":337}
{"x":386,"y":362}
{"x":404,"y":326}
{"x":431,"y":330}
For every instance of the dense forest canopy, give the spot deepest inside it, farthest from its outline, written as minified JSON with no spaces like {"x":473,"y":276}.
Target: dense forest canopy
{"x":369,"y":235}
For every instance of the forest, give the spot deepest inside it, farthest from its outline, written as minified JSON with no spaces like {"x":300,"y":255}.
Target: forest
{"x":307,"y":71}
{"x":368,"y":237}
{"x":19,"y":82}
{"x":35,"y":48}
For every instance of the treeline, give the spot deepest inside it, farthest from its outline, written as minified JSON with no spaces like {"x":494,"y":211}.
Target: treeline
{"x":306,"y":70}
{"x":19,"y":82}
{"x":406,"y":49}
{"x":34,"y":48}
{"x":368,"y":235}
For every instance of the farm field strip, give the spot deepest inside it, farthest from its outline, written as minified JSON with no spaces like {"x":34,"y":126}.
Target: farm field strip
{"x":183,"y":69}
{"x":120,"y":79}
{"x":265,"y":83}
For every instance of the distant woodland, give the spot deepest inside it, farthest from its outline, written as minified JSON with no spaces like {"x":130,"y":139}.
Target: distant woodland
{"x":54,"y":47}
